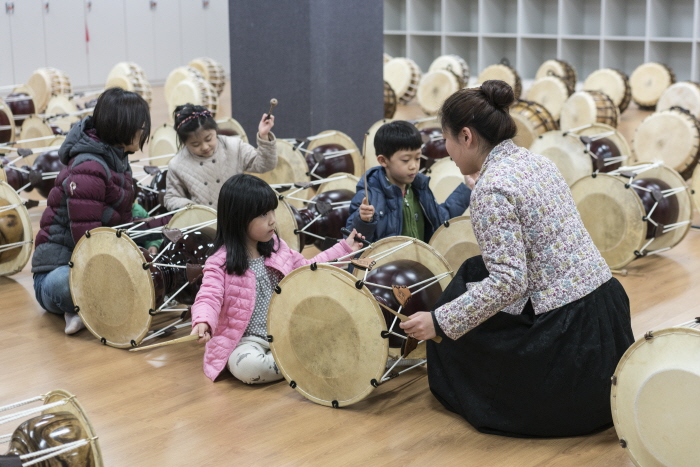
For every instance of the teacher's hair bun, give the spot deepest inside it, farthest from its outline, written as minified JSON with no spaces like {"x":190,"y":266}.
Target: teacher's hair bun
{"x":498,"y":93}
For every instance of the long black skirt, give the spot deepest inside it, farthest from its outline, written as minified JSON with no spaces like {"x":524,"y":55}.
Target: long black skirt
{"x":530,"y":375}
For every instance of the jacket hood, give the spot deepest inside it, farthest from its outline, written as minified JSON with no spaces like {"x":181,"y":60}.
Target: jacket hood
{"x":78,"y":142}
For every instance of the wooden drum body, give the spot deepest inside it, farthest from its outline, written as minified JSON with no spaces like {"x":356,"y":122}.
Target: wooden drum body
{"x":531,"y":120}
{"x":130,"y":77}
{"x":504,"y":72}
{"x":560,"y":69}
{"x":615,"y":210}
{"x":684,"y":94}
{"x":648,"y":82}
{"x":22,"y":103}
{"x":291,"y":168}
{"x":390,"y":101}
{"x":454,"y":64}
{"x":330,"y":152}
{"x":7,"y":123}
{"x":212,"y":71}
{"x":46,"y":82}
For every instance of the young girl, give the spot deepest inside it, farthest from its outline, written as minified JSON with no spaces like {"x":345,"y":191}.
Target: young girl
{"x":94,"y":189}
{"x":206,"y":161}
{"x":239,"y":279}
{"x":534,"y":327}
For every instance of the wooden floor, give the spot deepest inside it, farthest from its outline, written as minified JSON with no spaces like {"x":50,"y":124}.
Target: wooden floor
{"x":158,"y":409}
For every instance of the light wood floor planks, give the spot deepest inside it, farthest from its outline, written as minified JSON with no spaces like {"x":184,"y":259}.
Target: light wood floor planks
{"x":158,"y":409}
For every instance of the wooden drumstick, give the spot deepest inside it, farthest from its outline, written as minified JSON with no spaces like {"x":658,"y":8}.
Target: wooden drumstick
{"x":273,"y":103}
{"x":179,"y":340}
{"x":402,"y":318}
{"x":364,"y":166}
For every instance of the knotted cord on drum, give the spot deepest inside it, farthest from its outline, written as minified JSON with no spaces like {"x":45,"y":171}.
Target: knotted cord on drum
{"x":24,"y":413}
{"x":141,"y":223}
{"x":10,"y":246}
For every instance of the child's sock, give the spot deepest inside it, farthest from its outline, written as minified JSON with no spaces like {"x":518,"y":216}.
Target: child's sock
{"x":73,"y":323}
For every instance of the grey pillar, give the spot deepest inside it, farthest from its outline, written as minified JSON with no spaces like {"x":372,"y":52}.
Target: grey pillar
{"x":321,"y":59}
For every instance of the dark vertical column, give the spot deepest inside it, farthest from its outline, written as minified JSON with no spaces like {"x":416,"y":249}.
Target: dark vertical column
{"x":322,"y":59}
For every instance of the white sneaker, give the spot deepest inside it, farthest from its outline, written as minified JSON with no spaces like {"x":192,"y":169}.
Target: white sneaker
{"x":73,"y":323}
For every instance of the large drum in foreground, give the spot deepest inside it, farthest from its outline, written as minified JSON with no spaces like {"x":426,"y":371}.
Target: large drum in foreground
{"x":328,"y":334}
{"x":634,"y":211}
{"x":654,"y":398}
{"x":455,"y":241}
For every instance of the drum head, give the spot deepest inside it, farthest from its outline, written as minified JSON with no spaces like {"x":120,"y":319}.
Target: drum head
{"x":125,"y":69}
{"x":567,"y":152}
{"x":616,"y":137}
{"x":670,"y":136}
{"x":34,"y":127}
{"x":74,"y":407}
{"x":326,"y":335}
{"x":434,"y":88}
{"x":46,"y":82}
{"x":287,"y":224}
{"x":193,"y":215}
{"x":454,"y":64}
{"x":341,"y":139}
{"x":445,"y":177}
{"x":195,"y":91}
{"x":560,"y":69}
{"x":163,"y":143}
{"x":455,"y":241}
{"x":229,"y":125}
{"x":503,"y":73}
{"x":695,"y":187}
{"x":418,"y":252}
{"x":685,"y":94}
{"x":612,"y":214}
{"x":648,"y":81}
{"x":178,"y":75}
{"x":60,"y":104}
{"x":551,"y":93}
{"x":613,"y":83}
{"x":345,"y":182}
{"x":370,"y":154}
{"x":291,"y":167}
{"x":112,"y":290}
{"x":17,"y":263}
{"x":654,"y":399}
{"x":588,"y":107}
{"x":403,"y":75}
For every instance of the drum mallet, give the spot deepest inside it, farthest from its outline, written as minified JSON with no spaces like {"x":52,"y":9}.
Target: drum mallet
{"x":273,"y":103}
{"x":357,"y":237}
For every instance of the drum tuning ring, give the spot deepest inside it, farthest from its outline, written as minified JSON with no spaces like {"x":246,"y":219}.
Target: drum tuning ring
{"x":638,"y":253}
{"x":623,"y":443}
{"x":613,"y":380}
{"x":145,"y":266}
{"x":152,"y":312}
{"x":278,"y":290}
{"x":133,"y":343}
{"x":359,"y":284}
{"x":385,"y":334}
{"x":374,"y":383}
{"x":103,"y":340}
{"x":87,"y":234}
{"x":649,"y":335}
{"x":446,"y":223}
{"x":70,"y":264}
{"x":76,"y":309}
{"x":293,"y":384}
{"x":269,"y":338}
{"x":335,"y":404}
{"x":314,"y":266}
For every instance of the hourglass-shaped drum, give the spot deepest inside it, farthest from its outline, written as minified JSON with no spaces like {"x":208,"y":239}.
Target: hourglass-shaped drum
{"x":634,"y":211}
{"x":16,"y":236}
{"x":330,"y":152}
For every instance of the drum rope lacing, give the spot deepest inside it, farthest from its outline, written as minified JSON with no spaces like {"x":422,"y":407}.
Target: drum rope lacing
{"x":319,"y":216}
{"x":24,"y":413}
{"x":54,"y":451}
{"x":610,"y":160}
{"x":10,"y":246}
{"x":175,"y":325}
{"x":9,"y":207}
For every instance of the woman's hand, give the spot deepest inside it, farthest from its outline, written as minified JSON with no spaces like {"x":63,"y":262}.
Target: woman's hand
{"x":265,"y":126}
{"x":352,"y":243}
{"x":470,"y":180}
{"x":202,"y":329}
{"x":419,"y":326}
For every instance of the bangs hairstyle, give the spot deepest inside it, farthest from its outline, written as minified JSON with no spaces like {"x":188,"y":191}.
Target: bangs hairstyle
{"x":397,"y":136}
{"x":242,"y":198}
{"x":184,"y":130}
{"x":485,"y":109}
{"x":119,"y":115}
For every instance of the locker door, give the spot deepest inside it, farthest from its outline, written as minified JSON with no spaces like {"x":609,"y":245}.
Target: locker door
{"x":140,"y":37}
{"x":169,"y":35}
{"x":28,"y":44}
{"x":7,"y":74}
{"x":107,"y":46}
{"x":217,"y":32}
{"x":64,"y":30}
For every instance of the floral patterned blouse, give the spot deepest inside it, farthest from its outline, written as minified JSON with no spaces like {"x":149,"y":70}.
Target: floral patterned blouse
{"x":532,"y":240}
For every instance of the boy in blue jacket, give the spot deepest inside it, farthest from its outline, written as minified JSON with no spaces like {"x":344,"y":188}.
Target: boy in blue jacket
{"x":402,"y":202}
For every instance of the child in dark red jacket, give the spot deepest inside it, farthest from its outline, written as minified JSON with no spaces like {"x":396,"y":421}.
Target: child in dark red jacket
{"x":94,"y":190}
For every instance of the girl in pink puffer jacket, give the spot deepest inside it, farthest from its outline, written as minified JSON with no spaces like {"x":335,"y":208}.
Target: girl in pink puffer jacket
{"x":230,"y":311}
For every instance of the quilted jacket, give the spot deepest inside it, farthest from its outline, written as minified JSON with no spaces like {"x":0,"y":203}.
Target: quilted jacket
{"x":226,"y":301}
